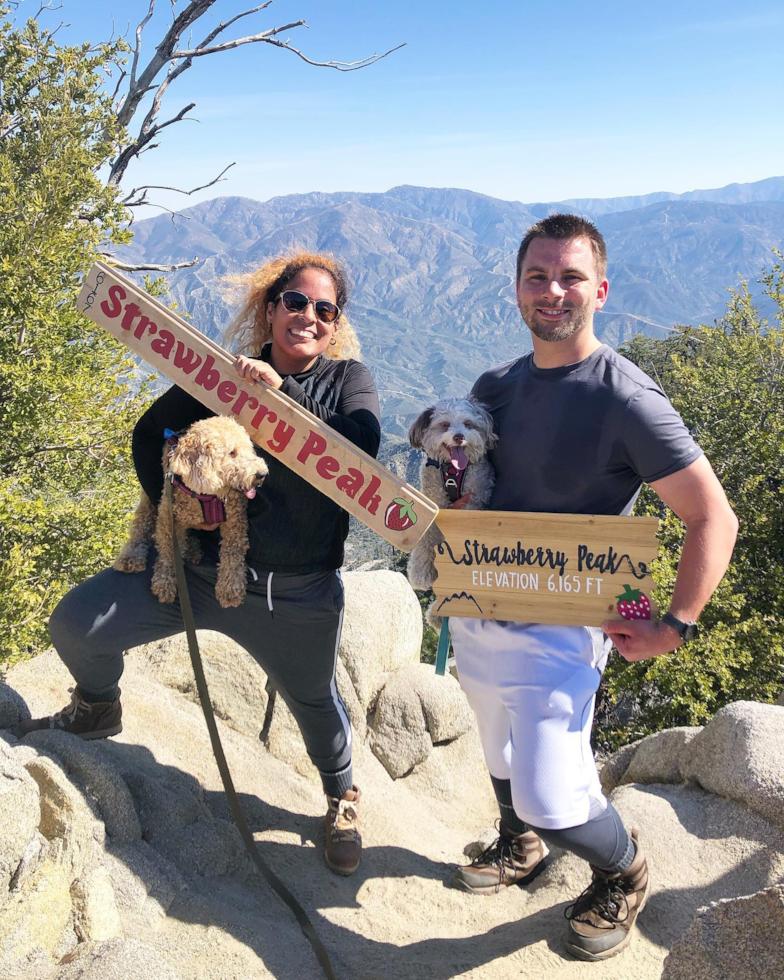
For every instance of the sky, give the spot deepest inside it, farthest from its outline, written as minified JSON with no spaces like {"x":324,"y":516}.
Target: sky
{"x":524,"y":100}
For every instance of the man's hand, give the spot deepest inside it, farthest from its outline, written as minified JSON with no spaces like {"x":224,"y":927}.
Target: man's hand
{"x":642,"y":639}
{"x":252,"y":370}
{"x":462,"y":502}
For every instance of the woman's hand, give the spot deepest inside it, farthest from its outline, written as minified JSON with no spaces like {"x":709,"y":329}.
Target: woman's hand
{"x":253,"y":370}
{"x":462,"y":502}
{"x":204,"y":527}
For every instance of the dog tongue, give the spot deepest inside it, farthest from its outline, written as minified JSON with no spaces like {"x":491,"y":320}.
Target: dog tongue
{"x":459,"y":458}
{"x":250,"y":494}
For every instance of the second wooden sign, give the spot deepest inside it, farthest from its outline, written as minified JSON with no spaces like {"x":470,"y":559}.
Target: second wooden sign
{"x":568,"y":569}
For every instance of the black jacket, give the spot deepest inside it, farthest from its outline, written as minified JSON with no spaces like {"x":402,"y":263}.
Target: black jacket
{"x":292,"y":527}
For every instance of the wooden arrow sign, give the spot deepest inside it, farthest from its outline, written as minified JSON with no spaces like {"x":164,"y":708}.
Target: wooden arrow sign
{"x":319,"y":454}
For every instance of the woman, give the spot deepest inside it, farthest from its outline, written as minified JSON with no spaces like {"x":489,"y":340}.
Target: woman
{"x":302,"y":344}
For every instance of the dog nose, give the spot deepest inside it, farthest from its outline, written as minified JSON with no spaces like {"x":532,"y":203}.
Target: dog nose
{"x":260,"y":475}
{"x":459,"y":438}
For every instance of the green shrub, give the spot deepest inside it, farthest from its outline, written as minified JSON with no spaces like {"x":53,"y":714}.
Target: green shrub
{"x":67,"y":398}
{"x":727,"y":381}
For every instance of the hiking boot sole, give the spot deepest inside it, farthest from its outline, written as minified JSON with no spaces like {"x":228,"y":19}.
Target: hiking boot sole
{"x":86,"y":736}
{"x":343,"y":872}
{"x":463,"y":886}
{"x":103,"y":733}
{"x":578,"y":953}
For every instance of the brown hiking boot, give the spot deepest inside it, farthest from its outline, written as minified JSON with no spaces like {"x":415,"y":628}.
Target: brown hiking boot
{"x":512,"y":859}
{"x":603,"y":917}
{"x":83,"y":718}
{"x":344,"y":840}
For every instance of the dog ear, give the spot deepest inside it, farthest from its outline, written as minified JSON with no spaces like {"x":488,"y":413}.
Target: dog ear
{"x":187,"y":458}
{"x":417,"y":431}
{"x":486,"y":421}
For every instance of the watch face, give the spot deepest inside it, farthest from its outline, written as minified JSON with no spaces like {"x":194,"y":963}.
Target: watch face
{"x":690,"y":632}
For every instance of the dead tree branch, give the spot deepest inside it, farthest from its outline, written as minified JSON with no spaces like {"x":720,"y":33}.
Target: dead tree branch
{"x":126,"y":267}
{"x":43,"y":7}
{"x":337,"y":65}
{"x":174,"y":59}
{"x":142,"y":142}
{"x":133,"y":201}
{"x":138,"y":49}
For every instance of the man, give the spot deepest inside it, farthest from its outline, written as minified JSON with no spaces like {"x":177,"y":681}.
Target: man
{"x":580,"y":428}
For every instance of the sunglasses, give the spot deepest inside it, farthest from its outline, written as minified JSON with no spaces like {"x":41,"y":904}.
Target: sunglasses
{"x":296,"y":302}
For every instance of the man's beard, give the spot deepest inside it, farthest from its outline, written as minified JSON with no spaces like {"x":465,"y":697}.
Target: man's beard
{"x":577,"y":319}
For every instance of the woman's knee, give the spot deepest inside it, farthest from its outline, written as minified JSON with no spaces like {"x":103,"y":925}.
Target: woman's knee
{"x":65,"y":623}
{"x":325,"y":727}
{"x":86,"y":617}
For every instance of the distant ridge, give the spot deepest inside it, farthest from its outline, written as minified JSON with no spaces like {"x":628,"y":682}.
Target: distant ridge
{"x":433,"y":268}
{"x":770,"y":189}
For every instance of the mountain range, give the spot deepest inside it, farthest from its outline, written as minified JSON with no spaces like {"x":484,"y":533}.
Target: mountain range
{"x":433,"y":269}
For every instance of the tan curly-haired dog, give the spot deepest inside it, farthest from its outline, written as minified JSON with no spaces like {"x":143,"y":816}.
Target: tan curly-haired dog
{"x":216,"y":470}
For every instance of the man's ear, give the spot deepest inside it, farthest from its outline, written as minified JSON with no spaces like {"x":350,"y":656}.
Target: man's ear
{"x":601,"y":294}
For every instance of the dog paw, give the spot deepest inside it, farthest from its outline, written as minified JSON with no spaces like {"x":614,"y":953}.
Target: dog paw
{"x":193,"y":553}
{"x":127,"y":564}
{"x":229,"y":597}
{"x":164,"y":591}
{"x":434,"y":620}
{"x":422,"y":581}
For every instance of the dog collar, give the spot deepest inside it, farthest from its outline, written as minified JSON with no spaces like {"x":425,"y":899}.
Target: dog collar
{"x":451,"y":477}
{"x":212,"y":508}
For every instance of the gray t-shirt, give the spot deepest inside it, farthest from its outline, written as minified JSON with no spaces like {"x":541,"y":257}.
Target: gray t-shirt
{"x":580,"y":439}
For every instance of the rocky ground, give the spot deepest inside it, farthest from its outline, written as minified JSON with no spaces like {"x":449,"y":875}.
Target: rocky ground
{"x":118,"y":858}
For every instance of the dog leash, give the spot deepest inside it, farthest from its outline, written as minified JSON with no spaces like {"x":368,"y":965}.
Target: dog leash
{"x":228,"y":784}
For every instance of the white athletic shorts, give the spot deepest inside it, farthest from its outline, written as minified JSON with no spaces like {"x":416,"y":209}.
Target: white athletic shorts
{"x":532,"y":688}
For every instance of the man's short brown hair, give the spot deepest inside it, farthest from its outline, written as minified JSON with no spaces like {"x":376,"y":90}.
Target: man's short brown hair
{"x":566,"y":226}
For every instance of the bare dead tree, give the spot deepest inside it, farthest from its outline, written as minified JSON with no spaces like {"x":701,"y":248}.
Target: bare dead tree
{"x":138,"y":195}
{"x":127,"y":267}
{"x":174,"y":57}
{"x":170,"y":57}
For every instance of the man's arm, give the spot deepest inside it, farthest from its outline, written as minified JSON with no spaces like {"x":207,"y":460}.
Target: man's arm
{"x":698,"y":499}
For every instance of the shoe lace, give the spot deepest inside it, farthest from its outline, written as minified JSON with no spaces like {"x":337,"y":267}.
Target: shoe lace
{"x":344,"y":820}
{"x":500,"y":854}
{"x":605,"y":898}
{"x":69,"y":712}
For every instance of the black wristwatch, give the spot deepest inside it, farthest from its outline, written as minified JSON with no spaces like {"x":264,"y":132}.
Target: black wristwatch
{"x":686,"y":631}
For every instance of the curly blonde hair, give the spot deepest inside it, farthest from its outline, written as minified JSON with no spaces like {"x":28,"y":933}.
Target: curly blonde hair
{"x":249,"y":330}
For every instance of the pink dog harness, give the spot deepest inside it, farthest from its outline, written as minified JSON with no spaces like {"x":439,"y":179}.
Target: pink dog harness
{"x":451,"y":477}
{"x":212,"y":507}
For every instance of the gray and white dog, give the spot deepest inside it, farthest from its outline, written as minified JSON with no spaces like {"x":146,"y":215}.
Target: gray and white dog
{"x":456,"y":434}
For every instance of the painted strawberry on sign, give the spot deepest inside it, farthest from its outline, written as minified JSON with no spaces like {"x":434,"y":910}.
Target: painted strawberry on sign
{"x":633,"y":604}
{"x":400,"y":515}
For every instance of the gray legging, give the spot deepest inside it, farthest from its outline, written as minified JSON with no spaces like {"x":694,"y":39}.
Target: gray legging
{"x":603,"y":840}
{"x":289,"y":623}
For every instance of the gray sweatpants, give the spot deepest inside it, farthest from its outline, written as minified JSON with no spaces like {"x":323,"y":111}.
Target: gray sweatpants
{"x":290,"y":624}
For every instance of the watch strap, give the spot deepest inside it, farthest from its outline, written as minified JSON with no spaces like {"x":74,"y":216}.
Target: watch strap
{"x":686,"y":631}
